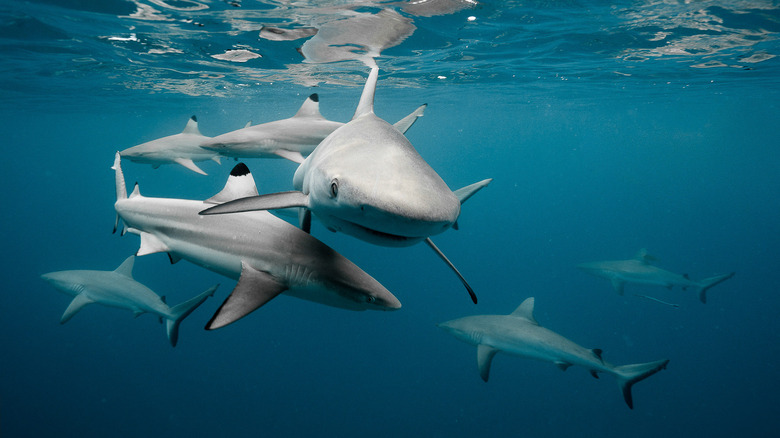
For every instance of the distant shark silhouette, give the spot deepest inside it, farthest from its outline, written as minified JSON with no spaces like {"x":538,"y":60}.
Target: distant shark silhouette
{"x":183,"y":148}
{"x":639,"y":270}
{"x":267,"y":255}
{"x":367,"y":180}
{"x":519,"y":334}
{"x":293,"y":138}
{"x":117,"y":288}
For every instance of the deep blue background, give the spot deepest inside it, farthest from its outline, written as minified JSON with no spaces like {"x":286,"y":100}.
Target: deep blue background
{"x":689,"y":172}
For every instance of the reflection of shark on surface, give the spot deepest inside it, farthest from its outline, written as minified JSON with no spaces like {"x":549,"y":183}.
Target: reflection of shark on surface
{"x":267,"y":255}
{"x":117,"y":288}
{"x":183,"y":148}
{"x":293,"y":138}
{"x":519,"y":334}
{"x":367,"y":180}
{"x":639,"y":270}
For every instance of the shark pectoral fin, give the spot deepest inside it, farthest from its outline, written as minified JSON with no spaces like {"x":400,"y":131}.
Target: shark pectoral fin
{"x":404,"y":124}
{"x":77,"y":304}
{"x":464,"y":193}
{"x":449,"y":263}
{"x":293,"y":156}
{"x":271,"y":201}
{"x":304,"y":219}
{"x":485,"y":355}
{"x":217,"y":159}
{"x":189,"y":164}
{"x":562,"y":365}
{"x":254,"y":289}
{"x":618,"y":285}
{"x":150,"y":244}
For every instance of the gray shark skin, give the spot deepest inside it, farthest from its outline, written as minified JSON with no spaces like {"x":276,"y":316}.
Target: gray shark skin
{"x":117,"y":288}
{"x":183,"y":148}
{"x":267,"y":255}
{"x":640,"y":270}
{"x":293,"y":138}
{"x":366,"y":179}
{"x":519,"y":334}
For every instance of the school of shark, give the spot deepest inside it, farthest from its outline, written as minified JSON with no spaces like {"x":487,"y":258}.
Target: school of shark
{"x":362,"y":178}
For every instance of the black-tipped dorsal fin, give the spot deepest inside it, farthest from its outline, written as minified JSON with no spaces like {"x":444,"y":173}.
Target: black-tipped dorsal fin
{"x":526,"y":310}
{"x":126,"y":268}
{"x":240,"y":184}
{"x":644,"y":257}
{"x":192,"y":126}
{"x":310,"y":107}
{"x":366,"y":104}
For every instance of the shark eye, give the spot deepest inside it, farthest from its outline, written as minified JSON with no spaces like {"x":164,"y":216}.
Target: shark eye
{"x":334,"y":188}
{"x":370,"y":299}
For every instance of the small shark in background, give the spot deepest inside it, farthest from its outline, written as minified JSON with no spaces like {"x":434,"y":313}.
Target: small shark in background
{"x":183,"y":148}
{"x":293,"y":138}
{"x":640,"y":270}
{"x":117,"y":288}
{"x":519,"y":334}
{"x":267,"y":255}
{"x":366,"y":179}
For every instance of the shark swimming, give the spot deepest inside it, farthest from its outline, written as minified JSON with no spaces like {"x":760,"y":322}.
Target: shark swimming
{"x":293,"y":138}
{"x":640,"y":270}
{"x":183,"y":148}
{"x":520,"y":334}
{"x":267,"y":255}
{"x":366,"y":179}
{"x":119,"y":289}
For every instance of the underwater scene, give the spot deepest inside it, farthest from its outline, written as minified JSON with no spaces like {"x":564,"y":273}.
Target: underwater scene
{"x":435,"y":218}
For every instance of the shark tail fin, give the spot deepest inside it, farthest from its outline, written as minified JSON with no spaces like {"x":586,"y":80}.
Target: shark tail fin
{"x":121,"y":188}
{"x":707,"y":283}
{"x":183,"y":310}
{"x":627,"y":375}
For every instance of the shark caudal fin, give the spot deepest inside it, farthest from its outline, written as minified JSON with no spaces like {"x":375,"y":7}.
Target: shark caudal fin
{"x":707,"y":283}
{"x":121,"y":188}
{"x":627,"y":375}
{"x":183,"y":310}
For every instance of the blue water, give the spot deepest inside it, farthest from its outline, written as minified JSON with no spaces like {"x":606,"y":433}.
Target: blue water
{"x":606,"y":129}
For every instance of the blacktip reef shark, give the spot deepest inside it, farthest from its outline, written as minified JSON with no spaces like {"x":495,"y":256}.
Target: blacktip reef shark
{"x":267,"y":255}
{"x":366,"y":179}
{"x":293,"y":138}
{"x":640,"y":270}
{"x":183,"y":148}
{"x":118,"y":288}
{"x":520,"y":334}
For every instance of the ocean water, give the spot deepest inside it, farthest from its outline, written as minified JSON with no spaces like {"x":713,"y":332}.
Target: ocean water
{"x":606,"y":129}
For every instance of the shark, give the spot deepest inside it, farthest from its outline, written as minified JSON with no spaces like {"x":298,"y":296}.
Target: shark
{"x":520,"y":334}
{"x":293,"y":138}
{"x":119,"y":289}
{"x":267,"y":255}
{"x":183,"y":148}
{"x":640,"y":270}
{"x":366,"y":180}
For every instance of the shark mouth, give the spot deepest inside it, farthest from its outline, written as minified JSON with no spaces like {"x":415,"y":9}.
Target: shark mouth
{"x":380,"y":234}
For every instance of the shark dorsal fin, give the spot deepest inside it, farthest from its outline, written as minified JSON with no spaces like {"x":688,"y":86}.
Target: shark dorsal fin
{"x":464,"y":193}
{"x":644,"y":257}
{"x":240,"y":184}
{"x":526,"y":310}
{"x":192,"y":126}
{"x":366,"y":104}
{"x":248,"y":124}
{"x":126,"y":268}
{"x":310,"y":107}
{"x":136,"y":191}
